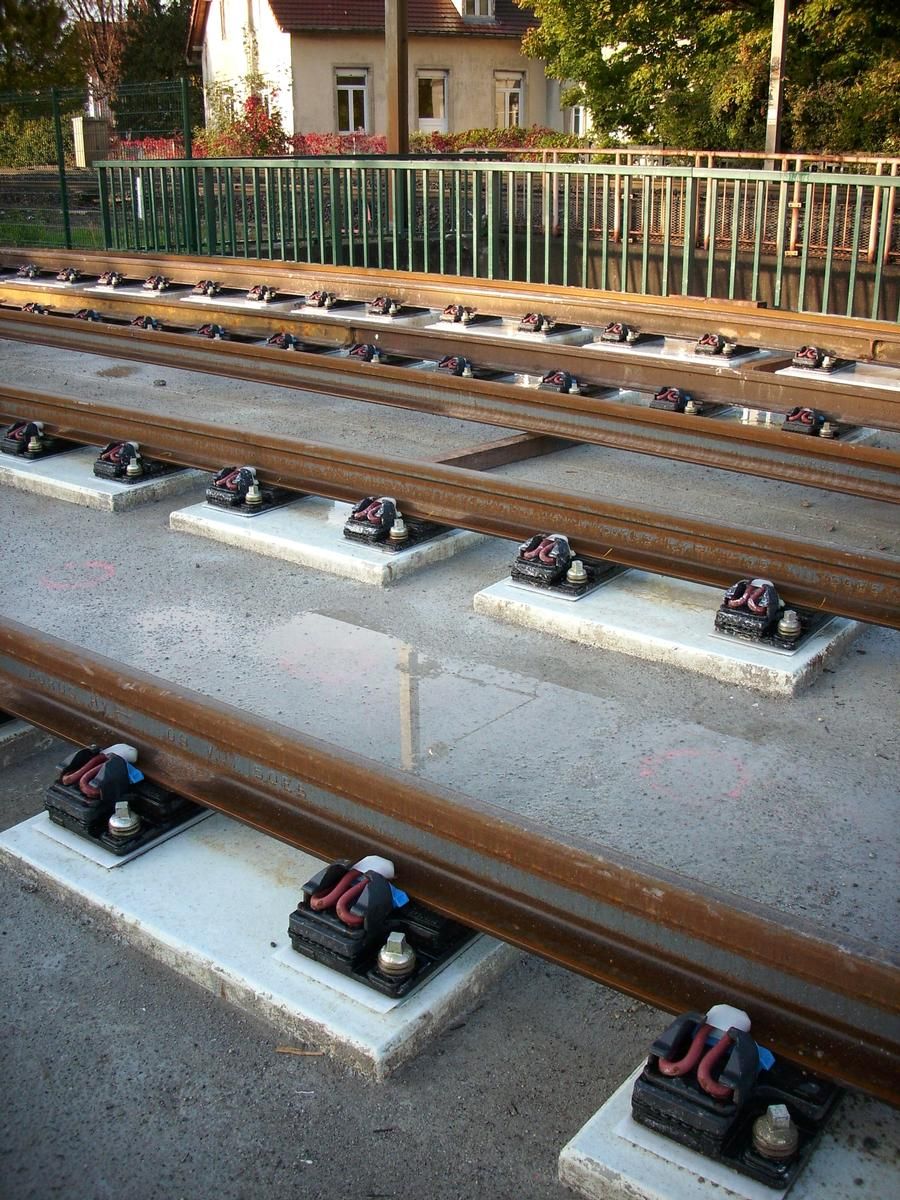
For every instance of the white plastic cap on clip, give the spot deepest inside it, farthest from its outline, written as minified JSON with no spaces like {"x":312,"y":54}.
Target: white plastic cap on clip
{"x":374,"y":862}
{"x":726,"y":1016}
{"x":129,"y":753}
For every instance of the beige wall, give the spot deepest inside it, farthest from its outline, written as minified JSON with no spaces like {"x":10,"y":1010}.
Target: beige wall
{"x":225,"y":60}
{"x":470,"y":62}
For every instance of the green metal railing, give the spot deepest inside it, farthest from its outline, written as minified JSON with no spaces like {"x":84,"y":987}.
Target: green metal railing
{"x":806,"y":241}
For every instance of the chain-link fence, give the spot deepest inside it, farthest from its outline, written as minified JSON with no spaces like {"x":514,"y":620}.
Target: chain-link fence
{"x":50,"y":140}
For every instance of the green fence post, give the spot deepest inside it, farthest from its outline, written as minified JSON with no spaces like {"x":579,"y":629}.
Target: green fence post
{"x":186,"y":117}
{"x":190,"y":190}
{"x":209,"y":202}
{"x":61,"y":167}
{"x":103,"y":184}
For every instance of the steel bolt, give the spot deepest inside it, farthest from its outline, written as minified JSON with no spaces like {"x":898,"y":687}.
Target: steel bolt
{"x":396,"y":957}
{"x":828,"y":430}
{"x":254,"y":497}
{"x":35,"y":445}
{"x":789,"y":626}
{"x":576,"y":572}
{"x":729,"y":348}
{"x":775,"y":1134}
{"x":135,"y":467}
{"x":399,"y":531}
{"x":124,"y":823}
{"x":693,"y":408}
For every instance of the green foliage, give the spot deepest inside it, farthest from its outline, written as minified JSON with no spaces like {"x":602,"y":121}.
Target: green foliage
{"x":696,"y":74}
{"x":36,"y":47}
{"x":157,"y":35}
{"x":30,"y":141}
{"x":515,"y":138}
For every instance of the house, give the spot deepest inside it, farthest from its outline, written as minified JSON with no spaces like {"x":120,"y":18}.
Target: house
{"x":325,"y":60}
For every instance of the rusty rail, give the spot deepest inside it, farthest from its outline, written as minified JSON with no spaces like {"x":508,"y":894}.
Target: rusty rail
{"x":855,"y":469}
{"x":828,"y":1002}
{"x":747,"y":322}
{"x":812,"y":574}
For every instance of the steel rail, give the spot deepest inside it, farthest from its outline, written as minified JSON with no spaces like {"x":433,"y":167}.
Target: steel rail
{"x":744,"y":321}
{"x":851,"y":468}
{"x":811,"y":574}
{"x":829,"y":1002}
{"x":753,"y":385}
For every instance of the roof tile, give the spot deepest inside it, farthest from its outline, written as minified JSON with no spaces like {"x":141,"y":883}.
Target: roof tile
{"x":425,"y":17}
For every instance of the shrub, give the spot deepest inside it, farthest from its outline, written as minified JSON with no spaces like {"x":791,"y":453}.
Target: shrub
{"x":148,"y":147}
{"x":255,"y":133}
{"x":338,"y":143}
{"x":31,"y":142}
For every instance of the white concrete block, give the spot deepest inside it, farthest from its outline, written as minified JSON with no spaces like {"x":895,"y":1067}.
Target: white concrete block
{"x":99,"y":854}
{"x":669,"y":621}
{"x":509,"y":330}
{"x":612,"y":1157}
{"x":309,"y":532}
{"x":358,"y":314}
{"x":69,"y":476}
{"x":214,"y":902}
{"x":241,"y":303}
{"x":136,"y":291}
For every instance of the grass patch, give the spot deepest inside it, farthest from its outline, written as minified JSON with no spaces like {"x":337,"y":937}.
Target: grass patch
{"x":18,"y":232}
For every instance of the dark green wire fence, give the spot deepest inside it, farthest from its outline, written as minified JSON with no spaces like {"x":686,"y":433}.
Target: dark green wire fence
{"x":49,"y":191}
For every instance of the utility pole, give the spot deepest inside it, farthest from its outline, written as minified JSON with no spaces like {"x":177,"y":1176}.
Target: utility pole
{"x":397,"y":75}
{"x":776,"y":77}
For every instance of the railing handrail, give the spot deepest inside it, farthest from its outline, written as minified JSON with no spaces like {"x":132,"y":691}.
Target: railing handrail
{"x":353,"y":162}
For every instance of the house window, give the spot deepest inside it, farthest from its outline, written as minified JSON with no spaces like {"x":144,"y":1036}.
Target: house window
{"x":575,"y":120}
{"x":508,"y":91}
{"x":431,"y":101}
{"x":478,"y":8}
{"x":352,"y":100}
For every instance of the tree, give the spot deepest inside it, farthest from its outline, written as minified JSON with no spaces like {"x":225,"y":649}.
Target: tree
{"x":695,"y":72}
{"x":36,"y":48}
{"x":157,"y":36}
{"x":102,"y":27}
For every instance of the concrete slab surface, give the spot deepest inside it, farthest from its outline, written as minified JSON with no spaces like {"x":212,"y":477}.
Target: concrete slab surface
{"x":213,"y":902}
{"x":612,"y":1157}
{"x":70,"y":476}
{"x":638,"y":756}
{"x":666,"y":620}
{"x":413,"y":677}
{"x":18,"y":740}
{"x":309,"y":532}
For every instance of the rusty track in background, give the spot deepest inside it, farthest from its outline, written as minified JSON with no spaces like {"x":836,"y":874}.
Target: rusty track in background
{"x":828,"y":1002}
{"x":811,"y":574}
{"x":714,"y":381}
{"x":750,"y":323}
{"x":854,"y":469}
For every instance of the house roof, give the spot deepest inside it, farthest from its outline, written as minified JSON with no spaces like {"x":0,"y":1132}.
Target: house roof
{"x":424,"y":18}
{"x":428,"y":17}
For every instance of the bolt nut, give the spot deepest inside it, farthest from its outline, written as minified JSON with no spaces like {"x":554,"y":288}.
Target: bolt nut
{"x":399,"y":531}
{"x":576,"y":572}
{"x":775,"y":1135}
{"x":396,"y":957}
{"x":789,"y":626}
{"x":124,"y":823}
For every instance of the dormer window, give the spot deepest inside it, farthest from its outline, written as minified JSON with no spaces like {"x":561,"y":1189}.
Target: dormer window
{"x":474,"y":10}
